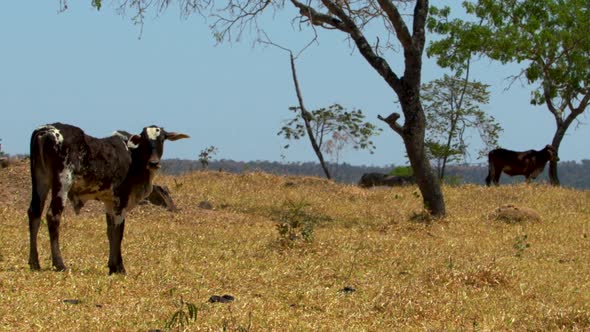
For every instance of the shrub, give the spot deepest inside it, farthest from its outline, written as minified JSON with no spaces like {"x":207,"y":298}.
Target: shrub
{"x":295,"y":223}
{"x":402,"y":171}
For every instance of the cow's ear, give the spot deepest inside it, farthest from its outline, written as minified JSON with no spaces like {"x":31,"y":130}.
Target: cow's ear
{"x":175,"y":136}
{"x":133,"y":141}
{"x":122,"y":134}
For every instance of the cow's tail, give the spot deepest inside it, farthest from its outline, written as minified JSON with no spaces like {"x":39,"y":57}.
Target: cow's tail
{"x":38,"y":138}
{"x":37,"y":165}
{"x":44,"y":142}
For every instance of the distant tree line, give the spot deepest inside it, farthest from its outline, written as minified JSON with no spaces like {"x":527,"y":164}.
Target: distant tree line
{"x":572,"y":174}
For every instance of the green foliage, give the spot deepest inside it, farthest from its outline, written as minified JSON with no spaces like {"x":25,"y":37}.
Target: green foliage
{"x":452,"y":107}
{"x":97,"y":4}
{"x":402,"y":171}
{"x":206,"y":155}
{"x":521,"y":245}
{"x":185,"y":314}
{"x":422,"y":217}
{"x":549,"y":38}
{"x":333,"y":128}
{"x":295,"y":223}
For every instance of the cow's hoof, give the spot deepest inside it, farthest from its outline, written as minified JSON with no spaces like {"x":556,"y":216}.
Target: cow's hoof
{"x":60,"y":268}
{"x":117,"y":270}
{"x":35,"y":266}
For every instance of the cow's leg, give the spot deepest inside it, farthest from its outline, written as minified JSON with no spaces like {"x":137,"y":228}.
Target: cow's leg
{"x":60,"y":187}
{"x":115,"y":229}
{"x":38,"y":197}
{"x":53,"y":221}
{"x":489,"y":177}
{"x":497,"y":178}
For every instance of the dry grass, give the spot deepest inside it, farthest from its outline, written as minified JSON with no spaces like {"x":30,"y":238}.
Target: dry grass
{"x":466,"y":272}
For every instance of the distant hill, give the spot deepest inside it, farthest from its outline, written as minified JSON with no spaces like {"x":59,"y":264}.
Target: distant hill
{"x":572,"y":174}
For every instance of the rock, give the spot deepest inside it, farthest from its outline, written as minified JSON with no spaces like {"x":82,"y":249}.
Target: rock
{"x":511,"y":213}
{"x":4,"y":162}
{"x":206,"y":205}
{"x":160,"y":196}
{"x":72,"y":301}
{"x":221,"y":299}
{"x":347,"y":290}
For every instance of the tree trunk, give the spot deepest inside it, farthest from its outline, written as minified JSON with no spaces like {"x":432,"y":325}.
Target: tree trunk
{"x":306,"y":116}
{"x":427,"y":181}
{"x":407,"y":87}
{"x":448,"y":146}
{"x":557,"y":138}
{"x":412,"y":134}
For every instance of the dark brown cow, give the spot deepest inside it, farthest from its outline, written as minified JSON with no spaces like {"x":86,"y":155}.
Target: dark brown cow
{"x":369,"y":180}
{"x":528,"y":163}
{"x":116,"y":170}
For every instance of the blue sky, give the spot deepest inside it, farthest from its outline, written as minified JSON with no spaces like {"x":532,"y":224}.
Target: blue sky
{"x":90,"y":69}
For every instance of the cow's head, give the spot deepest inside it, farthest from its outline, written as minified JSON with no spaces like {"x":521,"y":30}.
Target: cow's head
{"x":552,"y":153}
{"x":147,"y":147}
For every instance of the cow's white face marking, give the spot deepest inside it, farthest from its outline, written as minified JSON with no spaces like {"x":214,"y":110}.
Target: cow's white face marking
{"x":51,"y":130}
{"x":153,"y":132}
{"x":65,"y":179}
{"x":131,"y":145}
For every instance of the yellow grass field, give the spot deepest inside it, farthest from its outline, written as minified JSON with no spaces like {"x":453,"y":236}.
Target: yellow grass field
{"x":466,"y":272}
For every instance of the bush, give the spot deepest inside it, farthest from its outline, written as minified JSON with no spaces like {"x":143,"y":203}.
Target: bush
{"x":402,"y":171}
{"x":294,"y":223}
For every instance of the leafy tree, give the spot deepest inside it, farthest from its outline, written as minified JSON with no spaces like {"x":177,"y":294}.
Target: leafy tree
{"x":206,"y":155}
{"x":402,"y":171}
{"x":452,"y":108}
{"x":331,"y":127}
{"x":377,"y":28}
{"x":549,"y":38}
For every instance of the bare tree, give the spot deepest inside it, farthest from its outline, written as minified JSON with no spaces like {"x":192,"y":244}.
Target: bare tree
{"x":307,"y":118}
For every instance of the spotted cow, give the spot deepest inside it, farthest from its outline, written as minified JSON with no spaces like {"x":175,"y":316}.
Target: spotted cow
{"x":528,"y":163}
{"x":116,"y":170}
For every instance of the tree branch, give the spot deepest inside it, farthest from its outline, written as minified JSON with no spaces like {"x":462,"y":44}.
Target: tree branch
{"x":420,"y":14}
{"x":391,"y":120}
{"x":306,"y":119}
{"x":551,"y":106}
{"x":401,"y":30}
{"x":377,"y":62}
{"x":319,"y":19}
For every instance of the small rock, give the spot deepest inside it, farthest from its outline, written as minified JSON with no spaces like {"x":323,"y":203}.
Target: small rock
{"x":347,"y":290}
{"x":161,"y":196}
{"x":72,"y":301}
{"x":221,"y":299}
{"x":206,"y":205}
